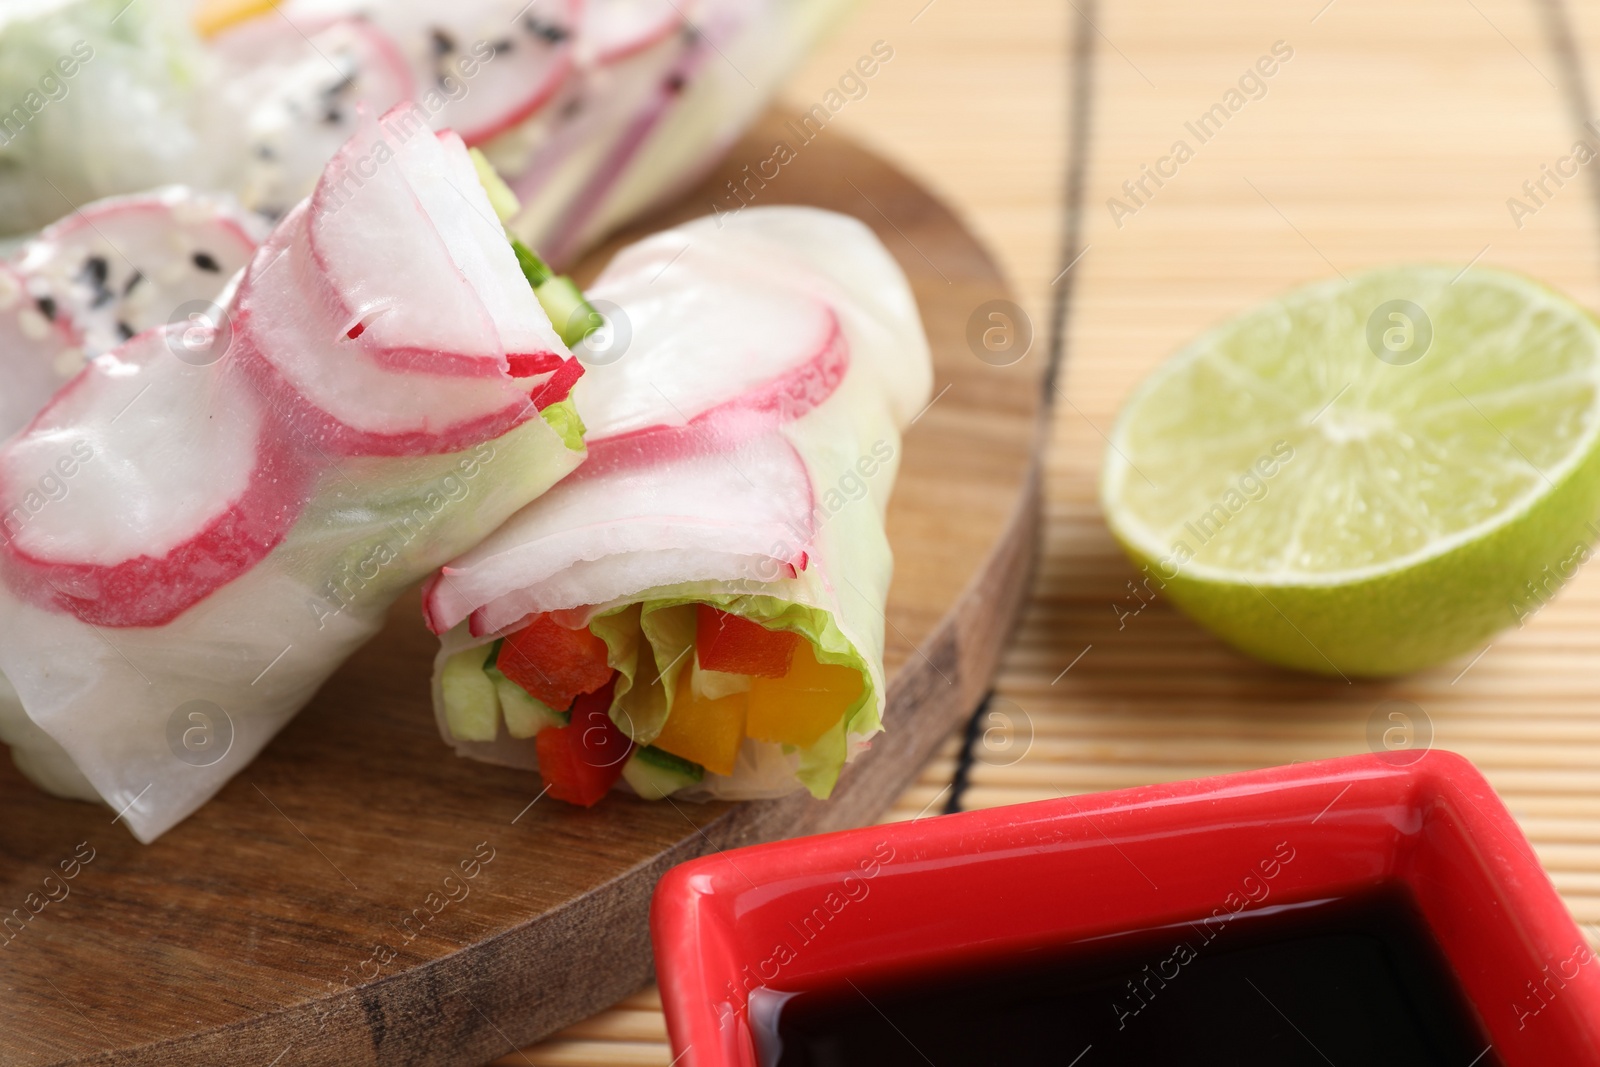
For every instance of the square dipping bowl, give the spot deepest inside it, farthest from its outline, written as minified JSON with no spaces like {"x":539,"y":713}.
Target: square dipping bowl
{"x":1353,"y":912}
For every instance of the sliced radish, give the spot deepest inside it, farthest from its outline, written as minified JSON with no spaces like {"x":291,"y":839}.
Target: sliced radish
{"x":645,"y":107}
{"x":146,"y":484}
{"x":529,"y":65}
{"x":479,"y":67}
{"x":331,"y":390}
{"x":300,"y":90}
{"x":38,"y":351}
{"x":718,"y":514}
{"x":451,"y":298}
{"x":615,"y":29}
{"x":710,"y":339}
{"x":118,"y":266}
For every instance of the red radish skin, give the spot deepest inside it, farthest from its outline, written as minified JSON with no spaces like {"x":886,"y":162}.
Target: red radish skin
{"x":787,"y":397}
{"x":463,"y":591}
{"x":560,"y":17}
{"x":554,"y":663}
{"x":303,"y":323}
{"x":559,"y":386}
{"x":524,"y":365}
{"x":148,"y":590}
{"x":520,"y":55}
{"x":397,"y":174}
{"x":618,"y":29}
{"x":735,"y":645}
{"x":563,"y":243}
{"x":722,"y":428}
{"x":525,"y":110}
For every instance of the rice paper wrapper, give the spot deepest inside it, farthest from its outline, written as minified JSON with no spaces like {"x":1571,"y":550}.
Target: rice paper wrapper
{"x":771,"y":511}
{"x":195,"y":538}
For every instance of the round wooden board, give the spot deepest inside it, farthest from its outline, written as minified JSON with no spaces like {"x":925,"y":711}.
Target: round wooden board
{"x":304,"y":916}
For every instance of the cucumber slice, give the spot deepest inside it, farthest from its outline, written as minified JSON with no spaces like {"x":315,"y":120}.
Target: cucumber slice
{"x":570,"y":312}
{"x":533,"y":268}
{"x":525,"y":713}
{"x":654,"y":773}
{"x":501,"y":198}
{"x":471,"y":705}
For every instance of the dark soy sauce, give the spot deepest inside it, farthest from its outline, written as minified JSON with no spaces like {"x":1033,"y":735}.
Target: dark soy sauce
{"x":1352,"y":982}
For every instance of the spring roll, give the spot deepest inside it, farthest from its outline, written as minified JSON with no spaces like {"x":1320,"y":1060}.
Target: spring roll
{"x":698,"y":610}
{"x":595,"y":110}
{"x":209,"y":519}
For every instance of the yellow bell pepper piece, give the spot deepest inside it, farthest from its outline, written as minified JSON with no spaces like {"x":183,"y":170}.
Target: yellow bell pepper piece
{"x":801,"y":706}
{"x":709,"y":732}
{"x":211,"y":17}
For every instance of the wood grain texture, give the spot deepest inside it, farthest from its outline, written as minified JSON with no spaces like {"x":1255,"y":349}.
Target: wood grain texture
{"x":271,"y":928}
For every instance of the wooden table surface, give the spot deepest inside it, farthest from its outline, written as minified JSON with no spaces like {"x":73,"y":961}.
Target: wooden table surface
{"x":1392,"y":132}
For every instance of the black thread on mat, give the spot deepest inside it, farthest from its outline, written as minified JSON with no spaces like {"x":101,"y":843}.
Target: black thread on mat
{"x":1079,"y":116}
{"x":1574,"y":82}
{"x":969,"y":741}
{"x":1080,"y":89}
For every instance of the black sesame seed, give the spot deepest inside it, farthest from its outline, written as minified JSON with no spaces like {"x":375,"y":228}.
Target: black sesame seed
{"x":47,"y":305}
{"x":332,"y":117}
{"x":443,"y":43}
{"x":264,"y":151}
{"x":572,"y":107}
{"x":338,"y":88}
{"x":138,"y":276}
{"x":674,"y":83}
{"x":204,"y":261}
{"x":102,"y":297}
{"x":549,"y":31}
{"x":124,"y":331}
{"x":502,"y":46}
{"x":94,"y":271}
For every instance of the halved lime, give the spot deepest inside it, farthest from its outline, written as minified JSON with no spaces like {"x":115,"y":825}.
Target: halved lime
{"x":1367,"y":476}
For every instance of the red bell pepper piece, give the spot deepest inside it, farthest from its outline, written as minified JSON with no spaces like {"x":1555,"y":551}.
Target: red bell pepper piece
{"x":732,"y":643}
{"x":554,"y":663}
{"x":582,"y":760}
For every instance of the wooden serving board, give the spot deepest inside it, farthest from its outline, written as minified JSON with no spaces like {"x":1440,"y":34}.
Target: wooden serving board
{"x":304,"y":917}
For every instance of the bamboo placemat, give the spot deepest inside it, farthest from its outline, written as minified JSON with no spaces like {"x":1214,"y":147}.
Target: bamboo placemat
{"x":1393,"y":132}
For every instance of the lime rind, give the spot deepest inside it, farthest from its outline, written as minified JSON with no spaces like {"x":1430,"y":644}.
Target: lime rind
{"x":1447,"y":500}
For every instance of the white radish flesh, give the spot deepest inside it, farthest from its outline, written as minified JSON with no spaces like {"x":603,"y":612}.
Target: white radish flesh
{"x":144,"y":485}
{"x":118,"y":266}
{"x":38,"y":353}
{"x":613,"y":30}
{"x":715,"y":514}
{"x":453,"y":299}
{"x":336,"y":393}
{"x":480,"y":66}
{"x":704,"y":331}
{"x":298,"y":96}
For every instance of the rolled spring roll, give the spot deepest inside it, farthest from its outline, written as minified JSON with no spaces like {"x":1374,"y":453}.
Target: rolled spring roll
{"x":207,"y":520}
{"x":595,"y":110}
{"x":699,"y":608}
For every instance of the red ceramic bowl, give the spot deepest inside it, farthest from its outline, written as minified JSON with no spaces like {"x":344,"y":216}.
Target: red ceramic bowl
{"x":972,"y":890}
